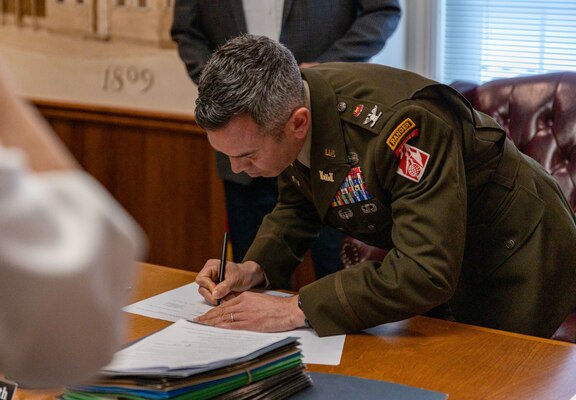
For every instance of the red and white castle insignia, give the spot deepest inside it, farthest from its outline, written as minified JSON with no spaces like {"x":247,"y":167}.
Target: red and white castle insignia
{"x":413,"y":162}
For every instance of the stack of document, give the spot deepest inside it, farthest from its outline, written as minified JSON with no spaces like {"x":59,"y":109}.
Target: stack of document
{"x":192,"y":361}
{"x":185,"y":302}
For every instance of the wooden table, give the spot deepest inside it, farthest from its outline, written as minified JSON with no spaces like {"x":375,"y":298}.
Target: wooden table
{"x":465,"y":361}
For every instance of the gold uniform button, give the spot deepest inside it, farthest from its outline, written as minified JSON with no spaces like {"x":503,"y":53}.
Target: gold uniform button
{"x":341,"y":106}
{"x":510,"y":244}
{"x":371,"y":228}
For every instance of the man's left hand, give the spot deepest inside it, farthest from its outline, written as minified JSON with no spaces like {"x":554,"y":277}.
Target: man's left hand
{"x":255,"y":312}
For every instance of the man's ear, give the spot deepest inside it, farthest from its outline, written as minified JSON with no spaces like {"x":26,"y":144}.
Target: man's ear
{"x":300,"y":122}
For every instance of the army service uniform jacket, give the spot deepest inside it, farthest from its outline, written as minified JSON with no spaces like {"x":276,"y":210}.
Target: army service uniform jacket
{"x":404,"y":163}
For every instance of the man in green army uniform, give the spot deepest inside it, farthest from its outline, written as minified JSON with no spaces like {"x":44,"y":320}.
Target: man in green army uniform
{"x":395,"y":160}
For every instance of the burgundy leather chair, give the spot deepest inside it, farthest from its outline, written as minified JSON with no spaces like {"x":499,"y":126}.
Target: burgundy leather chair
{"x":539,"y":115}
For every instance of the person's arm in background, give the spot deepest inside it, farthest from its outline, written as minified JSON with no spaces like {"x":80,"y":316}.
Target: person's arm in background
{"x":21,"y":127}
{"x":67,"y":257}
{"x":193,"y":46}
{"x":376,"y":22}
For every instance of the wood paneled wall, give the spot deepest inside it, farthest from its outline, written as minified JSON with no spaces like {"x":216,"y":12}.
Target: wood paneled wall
{"x":161,"y":168}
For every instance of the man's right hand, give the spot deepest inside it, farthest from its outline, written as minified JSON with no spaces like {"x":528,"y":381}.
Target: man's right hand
{"x":238,"y":278}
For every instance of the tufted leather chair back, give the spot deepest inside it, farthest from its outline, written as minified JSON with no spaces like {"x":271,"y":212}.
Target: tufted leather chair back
{"x":539,"y":115}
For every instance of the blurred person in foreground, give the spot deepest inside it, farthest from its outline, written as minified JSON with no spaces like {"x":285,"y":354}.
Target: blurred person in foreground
{"x":67,"y":256}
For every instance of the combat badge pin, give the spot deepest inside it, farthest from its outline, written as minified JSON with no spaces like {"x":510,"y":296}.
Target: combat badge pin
{"x":373,"y":117}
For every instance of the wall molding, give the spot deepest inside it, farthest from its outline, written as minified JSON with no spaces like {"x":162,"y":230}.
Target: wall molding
{"x":423,"y":36}
{"x":118,"y":115}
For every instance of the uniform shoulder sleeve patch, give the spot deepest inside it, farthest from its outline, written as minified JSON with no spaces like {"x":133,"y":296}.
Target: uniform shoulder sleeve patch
{"x":413,"y":162}
{"x":395,"y":138}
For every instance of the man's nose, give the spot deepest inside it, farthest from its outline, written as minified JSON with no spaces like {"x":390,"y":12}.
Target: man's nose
{"x":239,"y":164}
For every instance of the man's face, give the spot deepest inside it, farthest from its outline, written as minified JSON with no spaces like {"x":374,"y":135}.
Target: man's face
{"x":251,"y":152}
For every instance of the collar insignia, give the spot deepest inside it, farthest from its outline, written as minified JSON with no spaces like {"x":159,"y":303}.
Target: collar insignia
{"x":328,"y":177}
{"x":330,"y":153}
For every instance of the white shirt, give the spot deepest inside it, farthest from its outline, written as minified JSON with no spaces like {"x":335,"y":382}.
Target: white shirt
{"x":264,"y":17}
{"x":67,"y":252}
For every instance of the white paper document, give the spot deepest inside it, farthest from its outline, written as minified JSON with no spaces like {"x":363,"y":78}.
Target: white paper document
{"x":186,"y":344}
{"x":186,"y":303}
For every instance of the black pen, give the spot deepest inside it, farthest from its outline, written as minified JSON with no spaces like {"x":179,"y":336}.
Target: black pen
{"x":222,"y":270}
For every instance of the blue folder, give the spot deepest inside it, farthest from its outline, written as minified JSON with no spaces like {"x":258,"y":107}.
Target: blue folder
{"x":336,"y":387}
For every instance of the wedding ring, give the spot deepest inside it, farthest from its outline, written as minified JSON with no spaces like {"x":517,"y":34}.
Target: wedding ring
{"x":231,"y":317}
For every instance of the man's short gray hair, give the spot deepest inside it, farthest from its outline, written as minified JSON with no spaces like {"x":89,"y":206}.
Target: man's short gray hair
{"x":249,"y":75}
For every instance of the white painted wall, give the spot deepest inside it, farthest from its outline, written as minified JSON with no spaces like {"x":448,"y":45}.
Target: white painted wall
{"x":415,"y":45}
{"x":394,"y":53}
